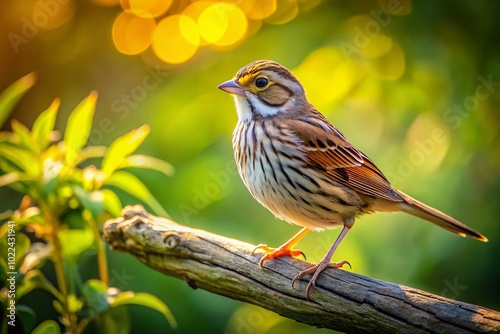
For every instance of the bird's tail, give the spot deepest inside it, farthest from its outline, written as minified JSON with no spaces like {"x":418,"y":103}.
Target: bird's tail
{"x":421,"y":210}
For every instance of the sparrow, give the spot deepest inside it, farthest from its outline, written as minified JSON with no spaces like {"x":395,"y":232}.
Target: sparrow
{"x":303,"y":169}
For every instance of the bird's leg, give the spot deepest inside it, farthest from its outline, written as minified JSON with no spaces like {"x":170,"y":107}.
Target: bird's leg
{"x":283,"y":250}
{"x":325,"y":263}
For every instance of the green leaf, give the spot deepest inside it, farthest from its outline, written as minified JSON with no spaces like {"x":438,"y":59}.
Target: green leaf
{"x":146,"y":161}
{"x":27,"y":317}
{"x":74,"y":304}
{"x":43,"y":126}
{"x":23,"y":159}
{"x":116,"y":320}
{"x":96,"y":294}
{"x":90,"y":152}
{"x":112,"y":203}
{"x":23,"y":244}
{"x":18,"y":240}
{"x":22,"y":135}
{"x":47,"y":327}
{"x":93,"y":201}
{"x":121,"y":148}
{"x":35,"y":279}
{"x":10,"y":96}
{"x":6,"y":166}
{"x":132,"y":185}
{"x":74,"y":242}
{"x":78,"y":128}
{"x":144,"y":299}
{"x":58,"y":307}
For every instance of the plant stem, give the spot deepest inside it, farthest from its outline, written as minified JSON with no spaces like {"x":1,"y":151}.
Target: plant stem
{"x":62,"y":284}
{"x":102,"y":262}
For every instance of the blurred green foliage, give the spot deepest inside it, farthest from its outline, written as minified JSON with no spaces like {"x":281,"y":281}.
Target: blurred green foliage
{"x":62,"y":211}
{"x":417,"y":91}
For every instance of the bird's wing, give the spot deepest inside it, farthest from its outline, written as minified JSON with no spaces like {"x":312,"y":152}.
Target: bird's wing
{"x":329,"y":151}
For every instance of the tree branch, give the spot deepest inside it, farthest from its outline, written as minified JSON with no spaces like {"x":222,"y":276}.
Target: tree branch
{"x":341,"y":300}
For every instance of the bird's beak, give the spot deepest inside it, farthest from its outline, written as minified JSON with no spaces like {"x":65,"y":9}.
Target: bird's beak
{"x":232,"y":87}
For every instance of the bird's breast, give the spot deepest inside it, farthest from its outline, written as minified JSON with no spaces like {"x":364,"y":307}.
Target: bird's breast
{"x":274,"y":168}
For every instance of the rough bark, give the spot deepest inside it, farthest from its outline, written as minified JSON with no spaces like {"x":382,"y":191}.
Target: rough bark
{"x":341,"y":300}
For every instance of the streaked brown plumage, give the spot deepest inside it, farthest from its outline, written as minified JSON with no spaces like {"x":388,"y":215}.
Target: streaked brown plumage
{"x":301,"y":168}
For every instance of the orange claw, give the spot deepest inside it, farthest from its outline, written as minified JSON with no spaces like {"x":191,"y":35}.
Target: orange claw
{"x":274,"y":253}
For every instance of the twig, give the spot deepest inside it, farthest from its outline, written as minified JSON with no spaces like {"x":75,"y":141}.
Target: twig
{"x":341,"y":300}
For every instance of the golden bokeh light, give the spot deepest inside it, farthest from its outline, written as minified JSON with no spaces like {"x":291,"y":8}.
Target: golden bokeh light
{"x":253,"y":26}
{"x":261,"y":9}
{"x":176,"y":39}
{"x":146,"y":8}
{"x":222,"y":24}
{"x":286,"y":11}
{"x":212,"y":23}
{"x":132,"y":34}
{"x":194,"y":10}
{"x":379,"y":45}
{"x":245,"y":6}
{"x":363,"y":34}
{"x":391,"y":65}
{"x":427,"y":142}
{"x":177,"y":29}
{"x":328,"y":76}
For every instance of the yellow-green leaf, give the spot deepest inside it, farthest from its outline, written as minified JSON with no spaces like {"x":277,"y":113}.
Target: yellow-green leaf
{"x":122,"y":147}
{"x":146,"y":161}
{"x":78,"y":128}
{"x":74,"y":242}
{"x":74,"y":303}
{"x":114,"y":320}
{"x":22,"y":135}
{"x":92,"y":201}
{"x":144,"y":299}
{"x":91,"y":152}
{"x":23,"y":159}
{"x":132,"y":185}
{"x":112,"y":203}
{"x":47,"y":327}
{"x":43,"y":126}
{"x":10,"y":96}
{"x":6,"y":137}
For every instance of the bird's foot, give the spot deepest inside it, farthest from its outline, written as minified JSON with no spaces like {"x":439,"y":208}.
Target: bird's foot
{"x":315,"y":270}
{"x":274,"y":253}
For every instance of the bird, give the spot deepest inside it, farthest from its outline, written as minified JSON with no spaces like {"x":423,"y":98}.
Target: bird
{"x":303,"y":169}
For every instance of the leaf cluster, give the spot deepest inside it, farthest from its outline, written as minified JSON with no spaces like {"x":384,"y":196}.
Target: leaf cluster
{"x":66,"y":199}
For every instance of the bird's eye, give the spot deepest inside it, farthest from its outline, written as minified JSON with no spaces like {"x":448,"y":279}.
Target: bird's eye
{"x":261,"y":82}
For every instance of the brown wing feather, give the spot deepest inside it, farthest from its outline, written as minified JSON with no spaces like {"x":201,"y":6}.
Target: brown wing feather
{"x":330,"y":151}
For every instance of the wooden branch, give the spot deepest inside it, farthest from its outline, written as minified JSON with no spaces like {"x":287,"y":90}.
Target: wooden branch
{"x":341,"y":300}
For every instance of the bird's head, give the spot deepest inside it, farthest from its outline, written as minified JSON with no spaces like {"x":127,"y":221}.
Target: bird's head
{"x":265,"y":88}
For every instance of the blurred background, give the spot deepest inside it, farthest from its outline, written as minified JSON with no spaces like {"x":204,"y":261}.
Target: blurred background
{"x":415,"y":86}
